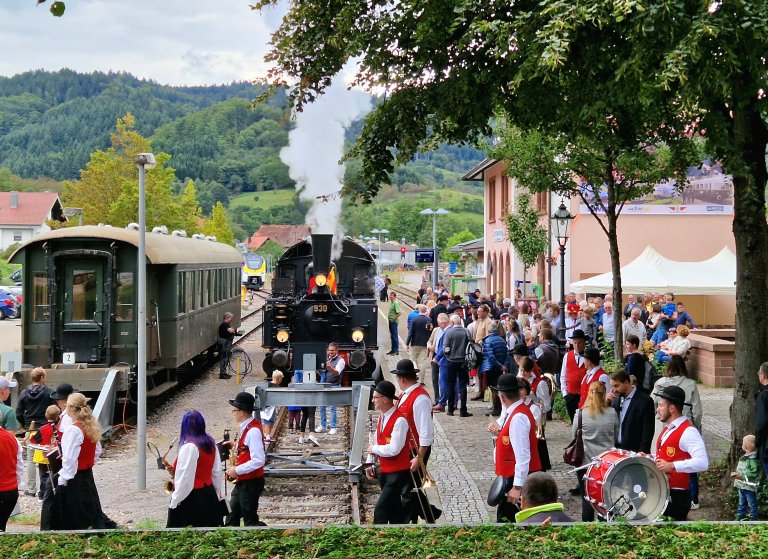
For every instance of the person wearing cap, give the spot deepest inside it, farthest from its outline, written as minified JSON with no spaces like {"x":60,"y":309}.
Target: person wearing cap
{"x":415,"y":405}
{"x":30,"y":409}
{"x":572,"y":373}
{"x":394,"y":504}
{"x":680,"y":450}
{"x":198,"y":491}
{"x":11,"y":472}
{"x":440,"y":308}
{"x":249,"y":464}
{"x":516,"y":454}
{"x":7,"y":413}
{"x":594,"y":372}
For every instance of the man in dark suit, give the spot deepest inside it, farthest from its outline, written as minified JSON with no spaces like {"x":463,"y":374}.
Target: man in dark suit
{"x":636,"y":414}
{"x":440,"y":307}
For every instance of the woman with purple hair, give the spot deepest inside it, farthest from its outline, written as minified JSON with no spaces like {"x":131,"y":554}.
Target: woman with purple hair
{"x":197,"y":498}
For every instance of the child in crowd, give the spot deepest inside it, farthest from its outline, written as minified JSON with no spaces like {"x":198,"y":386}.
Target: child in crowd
{"x":269,"y":414}
{"x":653,"y":320}
{"x":294,"y":418}
{"x":746,"y":480}
{"x":45,"y":437}
{"x":588,"y":325}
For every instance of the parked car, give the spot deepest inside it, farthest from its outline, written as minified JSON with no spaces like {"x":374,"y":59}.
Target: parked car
{"x":10,"y":306}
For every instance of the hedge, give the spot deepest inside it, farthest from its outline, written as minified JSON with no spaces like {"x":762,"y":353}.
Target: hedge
{"x":588,"y":541}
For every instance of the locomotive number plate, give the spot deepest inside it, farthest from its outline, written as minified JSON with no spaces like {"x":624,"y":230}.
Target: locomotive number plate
{"x":68,"y":358}
{"x":319,"y":308}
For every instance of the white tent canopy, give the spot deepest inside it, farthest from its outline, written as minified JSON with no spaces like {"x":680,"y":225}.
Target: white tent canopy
{"x":653,"y":272}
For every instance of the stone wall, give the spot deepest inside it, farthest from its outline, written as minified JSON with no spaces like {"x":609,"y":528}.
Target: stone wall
{"x":711,"y":357}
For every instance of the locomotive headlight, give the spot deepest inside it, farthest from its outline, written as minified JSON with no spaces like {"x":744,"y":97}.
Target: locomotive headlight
{"x":320,"y":280}
{"x":357,"y":335}
{"x":282,"y":335}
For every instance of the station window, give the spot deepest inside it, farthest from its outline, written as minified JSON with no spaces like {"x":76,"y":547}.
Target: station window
{"x":124,"y":291}
{"x":41,"y":308}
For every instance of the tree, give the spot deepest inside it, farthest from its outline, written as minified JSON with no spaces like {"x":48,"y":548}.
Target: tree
{"x":526,"y":234}
{"x":218,"y":225}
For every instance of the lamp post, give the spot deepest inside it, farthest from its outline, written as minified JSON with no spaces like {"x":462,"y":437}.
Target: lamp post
{"x":144,"y":161}
{"x":379,"y":232}
{"x":561,"y":222}
{"x":434,"y":214}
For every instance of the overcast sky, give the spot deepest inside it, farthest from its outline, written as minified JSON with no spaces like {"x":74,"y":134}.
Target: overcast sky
{"x":177,"y":42}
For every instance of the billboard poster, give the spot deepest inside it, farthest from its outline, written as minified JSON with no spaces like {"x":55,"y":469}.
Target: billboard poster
{"x":708,"y":192}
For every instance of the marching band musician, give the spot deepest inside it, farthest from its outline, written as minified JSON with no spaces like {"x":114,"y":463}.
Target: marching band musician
{"x":249,"y":464}
{"x":197,"y":498}
{"x":680,"y":450}
{"x":415,"y":404}
{"x":76,"y":504}
{"x":48,"y":436}
{"x":394,"y":459}
{"x":59,"y":397}
{"x":11,"y":472}
{"x":517,"y":452}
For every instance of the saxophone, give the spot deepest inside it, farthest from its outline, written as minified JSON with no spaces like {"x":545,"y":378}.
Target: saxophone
{"x":233,"y":458}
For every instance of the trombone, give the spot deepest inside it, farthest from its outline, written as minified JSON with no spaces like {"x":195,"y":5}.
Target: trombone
{"x":425,"y":478}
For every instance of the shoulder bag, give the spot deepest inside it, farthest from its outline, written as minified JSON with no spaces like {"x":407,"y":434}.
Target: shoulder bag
{"x":574,"y":452}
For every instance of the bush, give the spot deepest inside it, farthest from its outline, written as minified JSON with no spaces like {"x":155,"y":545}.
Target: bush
{"x":10,"y":249}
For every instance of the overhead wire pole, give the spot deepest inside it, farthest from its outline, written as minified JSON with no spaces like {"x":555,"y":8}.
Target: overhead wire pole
{"x":435,"y":264}
{"x":144,"y":161}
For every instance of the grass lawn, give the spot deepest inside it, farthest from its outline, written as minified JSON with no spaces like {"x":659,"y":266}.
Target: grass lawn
{"x":265,"y":200}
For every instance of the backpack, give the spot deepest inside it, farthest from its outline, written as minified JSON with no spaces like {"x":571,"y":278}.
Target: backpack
{"x":473,"y":355}
{"x":651,"y":376}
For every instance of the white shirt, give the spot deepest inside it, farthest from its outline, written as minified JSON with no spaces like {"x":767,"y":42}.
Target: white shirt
{"x":542,"y":396}
{"x":625,"y":402}
{"x":579,"y":363}
{"x":186,"y":467}
{"x":690,"y":442}
{"x":255,"y":443}
{"x":609,"y":325}
{"x":397,"y":441}
{"x":71,"y":441}
{"x":589,"y":378}
{"x":519,"y":428}
{"x":533,"y":405}
{"x":20,"y":466}
{"x":65,"y":421}
{"x":422,"y":415}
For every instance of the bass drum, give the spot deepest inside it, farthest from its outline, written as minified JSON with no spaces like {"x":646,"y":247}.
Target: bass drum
{"x":626,"y":484}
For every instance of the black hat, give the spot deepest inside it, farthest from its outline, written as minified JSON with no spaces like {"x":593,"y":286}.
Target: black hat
{"x":243,"y":401}
{"x":62,"y":391}
{"x":386,"y":389}
{"x":578,"y":335}
{"x":405,"y":368}
{"x":593,"y":355}
{"x":508,"y":383}
{"x":674,"y":394}
{"x":521,"y":349}
{"x":443,"y":297}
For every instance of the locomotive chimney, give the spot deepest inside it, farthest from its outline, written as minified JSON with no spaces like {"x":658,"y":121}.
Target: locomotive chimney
{"x":321,"y":253}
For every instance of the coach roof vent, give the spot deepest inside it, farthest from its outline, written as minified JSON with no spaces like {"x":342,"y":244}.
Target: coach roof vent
{"x":179,"y":233}
{"x":160,"y":230}
{"x":198,"y":236}
{"x":132,"y":226}
{"x":211,"y":238}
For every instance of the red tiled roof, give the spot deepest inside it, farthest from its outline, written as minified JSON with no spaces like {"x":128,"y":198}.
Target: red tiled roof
{"x":284,"y":235}
{"x":32,"y":207}
{"x":255,"y":242}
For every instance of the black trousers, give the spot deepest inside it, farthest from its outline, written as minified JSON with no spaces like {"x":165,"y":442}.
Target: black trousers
{"x":679,"y":504}
{"x":244,"y":502}
{"x":383,"y":296}
{"x":506,"y":511}
{"x":307,"y":415}
{"x":457,"y":373}
{"x":436,"y":382}
{"x":225,"y":347}
{"x":8,"y":500}
{"x":394,"y":504}
{"x":587,"y":512}
{"x":572,"y":404}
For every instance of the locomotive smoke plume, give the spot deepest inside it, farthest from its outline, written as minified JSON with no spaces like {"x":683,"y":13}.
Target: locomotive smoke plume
{"x":315,"y":147}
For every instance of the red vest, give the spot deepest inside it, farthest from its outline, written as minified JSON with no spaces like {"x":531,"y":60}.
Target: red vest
{"x":87,"y":456}
{"x":670,"y":451}
{"x":244,"y":454}
{"x":573,"y":373}
{"x":585,"y":385}
{"x":396,"y":463}
{"x":505,"y":454}
{"x":9,"y":454}
{"x":407,"y":410}
{"x":203,"y":469}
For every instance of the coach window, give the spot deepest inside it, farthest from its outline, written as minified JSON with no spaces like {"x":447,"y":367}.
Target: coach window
{"x":181,"y":293}
{"x":189,"y":289}
{"x":40,"y":312}
{"x":124,"y":311}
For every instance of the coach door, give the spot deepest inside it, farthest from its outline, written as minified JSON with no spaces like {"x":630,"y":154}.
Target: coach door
{"x":83,"y":311}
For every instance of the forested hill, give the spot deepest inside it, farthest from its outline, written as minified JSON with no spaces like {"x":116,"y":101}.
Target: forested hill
{"x":51,"y":122}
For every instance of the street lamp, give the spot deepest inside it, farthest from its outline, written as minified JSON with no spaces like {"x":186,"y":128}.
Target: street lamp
{"x":144,"y":161}
{"x":379,"y":232}
{"x":434,"y":214}
{"x":561,"y":222}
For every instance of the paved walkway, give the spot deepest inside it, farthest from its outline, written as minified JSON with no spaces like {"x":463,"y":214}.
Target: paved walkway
{"x":462,"y":458}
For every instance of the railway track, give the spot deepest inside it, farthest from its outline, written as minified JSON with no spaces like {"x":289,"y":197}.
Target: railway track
{"x":297,"y":498}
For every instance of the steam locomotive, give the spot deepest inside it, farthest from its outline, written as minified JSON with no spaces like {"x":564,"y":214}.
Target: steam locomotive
{"x":316,"y":300}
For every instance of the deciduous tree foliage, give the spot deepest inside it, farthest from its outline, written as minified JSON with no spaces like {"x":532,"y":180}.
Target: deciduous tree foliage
{"x":449,"y":65}
{"x":218,"y":225}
